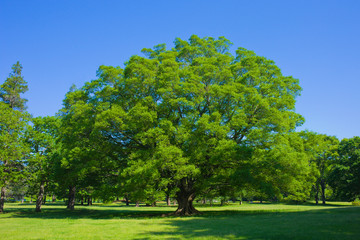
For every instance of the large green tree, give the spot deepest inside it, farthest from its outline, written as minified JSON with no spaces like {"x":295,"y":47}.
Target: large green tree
{"x":42,"y":138}
{"x":195,"y":118}
{"x":13,"y":121}
{"x":87,"y":162}
{"x":322,"y":151}
{"x":345,"y":175}
{"x":13,"y":148}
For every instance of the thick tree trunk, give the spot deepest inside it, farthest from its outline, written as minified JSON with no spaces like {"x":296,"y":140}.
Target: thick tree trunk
{"x":71,"y":203}
{"x":185,"y":198}
{"x":185,"y":205}
{"x":2,"y":199}
{"x":323,"y":186}
{"x":40,"y":197}
{"x":127,"y":201}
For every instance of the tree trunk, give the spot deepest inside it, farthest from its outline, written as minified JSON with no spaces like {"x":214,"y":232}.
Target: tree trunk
{"x":89,"y":203}
{"x":168,"y":201}
{"x":53,"y":198}
{"x":40,"y":197}
{"x":2,"y":199}
{"x":222,"y":202}
{"x":323,"y":186}
{"x":185,"y":198}
{"x":82,"y":200}
{"x":127,"y":201}
{"x":137,"y":204}
{"x":71,"y":203}
{"x":317,"y":194}
{"x":44,"y":198}
{"x":153,"y":204}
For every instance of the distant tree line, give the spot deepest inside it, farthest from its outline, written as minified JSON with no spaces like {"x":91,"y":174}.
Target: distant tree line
{"x":189,"y":123}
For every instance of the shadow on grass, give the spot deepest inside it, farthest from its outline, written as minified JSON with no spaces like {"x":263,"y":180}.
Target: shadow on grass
{"x":335,"y":223}
{"x":340,"y":222}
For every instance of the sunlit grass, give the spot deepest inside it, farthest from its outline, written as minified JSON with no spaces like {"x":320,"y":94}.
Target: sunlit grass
{"x":248,"y":221}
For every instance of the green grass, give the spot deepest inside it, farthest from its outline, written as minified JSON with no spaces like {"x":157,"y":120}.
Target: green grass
{"x":248,"y":221}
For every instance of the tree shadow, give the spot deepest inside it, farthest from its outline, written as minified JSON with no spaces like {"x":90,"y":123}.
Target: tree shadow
{"x":340,"y":222}
{"x":334,"y":223}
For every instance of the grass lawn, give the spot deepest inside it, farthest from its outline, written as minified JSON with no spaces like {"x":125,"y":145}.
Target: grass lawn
{"x":116,"y":221}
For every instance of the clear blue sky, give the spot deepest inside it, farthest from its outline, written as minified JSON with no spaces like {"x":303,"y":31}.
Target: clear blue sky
{"x":60,"y":43}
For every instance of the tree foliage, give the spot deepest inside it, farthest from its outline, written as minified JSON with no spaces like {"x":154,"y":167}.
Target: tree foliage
{"x":195,"y":118}
{"x":345,"y":177}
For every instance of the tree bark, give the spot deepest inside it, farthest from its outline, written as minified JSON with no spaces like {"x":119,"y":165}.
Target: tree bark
{"x":44,"y":198}
{"x":185,"y":198}
{"x":323,"y":187}
{"x":2,"y":200}
{"x":71,"y":203}
{"x":89,"y":203}
{"x":40,"y":197}
{"x":53,"y":198}
{"x":137,"y":204}
{"x":168,"y":201}
{"x":82,"y":200}
{"x":127,"y":201}
{"x":317,"y":194}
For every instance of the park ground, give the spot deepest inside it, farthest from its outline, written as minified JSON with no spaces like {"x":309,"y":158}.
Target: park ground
{"x":248,"y":221}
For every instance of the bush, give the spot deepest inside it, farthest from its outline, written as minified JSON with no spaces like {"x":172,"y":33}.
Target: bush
{"x":356,"y":202}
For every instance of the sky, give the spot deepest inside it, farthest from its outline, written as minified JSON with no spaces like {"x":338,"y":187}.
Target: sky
{"x":63,"y":42}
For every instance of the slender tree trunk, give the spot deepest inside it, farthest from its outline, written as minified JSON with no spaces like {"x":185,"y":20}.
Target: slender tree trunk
{"x":211,"y":202}
{"x":71,"y":203}
{"x":222,"y":202}
{"x":40,"y":197}
{"x":127,"y":201}
{"x":53,"y":198}
{"x":137,"y":204}
{"x":2,"y":199}
{"x":89,"y":203}
{"x":82,"y":200}
{"x":323,"y":187}
{"x":317,"y":194}
{"x":168,"y":200}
